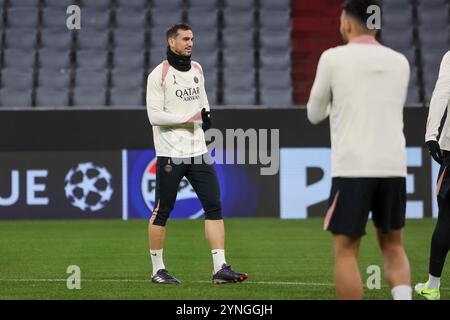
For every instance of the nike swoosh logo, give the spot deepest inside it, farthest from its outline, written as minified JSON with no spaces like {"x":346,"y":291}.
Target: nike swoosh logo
{"x":214,"y":252}
{"x":154,"y":254}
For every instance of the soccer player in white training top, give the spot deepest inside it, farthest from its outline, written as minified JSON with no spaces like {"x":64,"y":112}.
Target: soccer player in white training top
{"x":362,"y":87}
{"x":178,"y":110}
{"x":440,"y":242}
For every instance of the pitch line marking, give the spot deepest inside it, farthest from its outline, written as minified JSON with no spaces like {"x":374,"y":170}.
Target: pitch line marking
{"x":314,"y":284}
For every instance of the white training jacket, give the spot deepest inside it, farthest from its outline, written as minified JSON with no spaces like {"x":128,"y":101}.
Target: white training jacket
{"x":438,"y":104}
{"x":362,"y":87}
{"x":173,"y":97}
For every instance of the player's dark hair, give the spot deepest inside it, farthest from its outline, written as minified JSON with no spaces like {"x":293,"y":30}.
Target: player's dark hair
{"x":173,"y":30}
{"x":358,"y":9}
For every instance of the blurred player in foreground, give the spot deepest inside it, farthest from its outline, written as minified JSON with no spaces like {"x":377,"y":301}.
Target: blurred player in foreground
{"x":178,"y":110}
{"x":440,"y":242}
{"x":362,"y":87}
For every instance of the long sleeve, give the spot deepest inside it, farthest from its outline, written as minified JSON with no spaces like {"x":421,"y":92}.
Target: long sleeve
{"x":204,"y":96}
{"x":440,"y":100}
{"x":318,"y":107}
{"x":155,"y":104}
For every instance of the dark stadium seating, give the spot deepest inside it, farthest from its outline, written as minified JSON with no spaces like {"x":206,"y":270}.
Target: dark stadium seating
{"x":127,"y":58}
{"x":89,"y":97}
{"x":138,"y":4}
{"x":209,"y":5}
{"x":53,"y":79}
{"x":239,"y":97}
{"x":17,"y":78}
{"x":100,"y":5}
{"x":20,"y":38}
{"x":92,"y":39}
{"x":433,"y":26}
{"x":92,"y":59}
{"x":54,"y":17}
{"x":239,"y":79}
{"x":250,"y":50}
{"x":156,"y":55}
{"x":56,"y":3}
{"x":174,"y":5}
{"x":56,"y":39}
{"x":95,"y":19}
{"x":91,"y":79}
{"x":24,"y":3}
{"x":121,"y":41}
{"x":50,"y":97}
{"x":18,"y":58}
{"x":125,"y":97}
{"x":131,"y":18}
{"x":15,"y":98}
{"x":126,"y":79}
{"x":130,"y":39}
{"x":23,"y":17}
{"x":205,"y":19}
{"x":420,"y":30}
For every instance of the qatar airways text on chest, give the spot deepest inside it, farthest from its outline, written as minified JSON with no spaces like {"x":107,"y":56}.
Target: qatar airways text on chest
{"x":187,"y":94}
{"x":185,"y":87}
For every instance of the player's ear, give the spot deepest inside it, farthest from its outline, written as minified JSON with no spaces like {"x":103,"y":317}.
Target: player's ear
{"x":171,"y":41}
{"x":348,"y":25}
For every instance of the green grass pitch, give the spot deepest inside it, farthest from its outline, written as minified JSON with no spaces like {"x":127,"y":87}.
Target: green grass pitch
{"x":285,"y":259}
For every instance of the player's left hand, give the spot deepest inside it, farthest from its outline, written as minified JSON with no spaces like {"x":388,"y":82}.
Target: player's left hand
{"x":206,"y":119}
{"x":435,"y":151}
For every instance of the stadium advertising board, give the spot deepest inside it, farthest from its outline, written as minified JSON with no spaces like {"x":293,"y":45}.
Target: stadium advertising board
{"x":88,"y":185}
{"x":299,"y":190}
{"x":60,"y":185}
{"x":244,"y":192}
{"x":305,"y":183}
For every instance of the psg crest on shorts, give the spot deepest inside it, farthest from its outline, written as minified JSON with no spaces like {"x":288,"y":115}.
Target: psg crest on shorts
{"x":187,"y":204}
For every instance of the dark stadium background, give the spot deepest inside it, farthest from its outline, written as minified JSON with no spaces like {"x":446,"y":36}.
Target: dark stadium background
{"x":84,"y":90}
{"x":69,"y":97}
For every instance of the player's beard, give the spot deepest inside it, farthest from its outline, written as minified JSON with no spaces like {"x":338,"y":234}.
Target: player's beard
{"x":185,"y":53}
{"x":182,"y":53}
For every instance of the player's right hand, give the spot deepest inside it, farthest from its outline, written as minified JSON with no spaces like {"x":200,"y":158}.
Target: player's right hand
{"x":435,"y":151}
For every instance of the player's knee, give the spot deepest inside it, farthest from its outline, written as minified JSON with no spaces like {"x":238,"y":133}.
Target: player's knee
{"x":345,"y":246}
{"x":214,"y":213}
{"x":160,"y":217}
{"x":392,"y":250}
{"x":213,"y":209}
{"x":390,"y":241}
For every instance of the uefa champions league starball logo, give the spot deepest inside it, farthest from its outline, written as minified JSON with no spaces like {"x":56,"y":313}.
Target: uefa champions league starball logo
{"x":88,"y":187}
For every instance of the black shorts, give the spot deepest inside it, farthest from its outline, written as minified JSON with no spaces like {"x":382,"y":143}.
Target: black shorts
{"x":352,"y":199}
{"x":201,"y":175}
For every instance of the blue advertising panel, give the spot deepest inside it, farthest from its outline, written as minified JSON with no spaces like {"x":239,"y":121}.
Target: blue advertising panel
{"x":305,"y":183}
{"x":240,"y":188}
